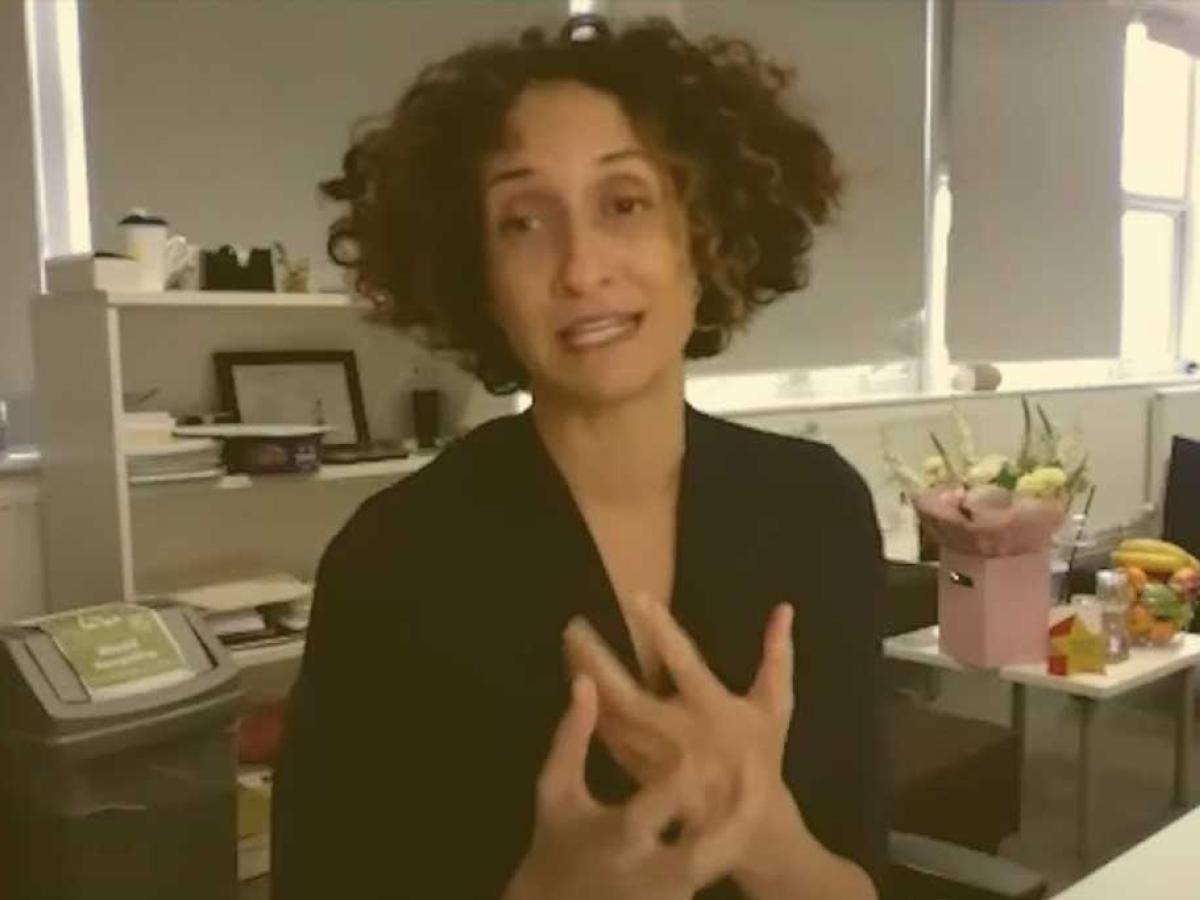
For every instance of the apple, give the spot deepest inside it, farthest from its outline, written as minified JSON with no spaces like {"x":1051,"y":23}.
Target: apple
{"x":1186,"y":582}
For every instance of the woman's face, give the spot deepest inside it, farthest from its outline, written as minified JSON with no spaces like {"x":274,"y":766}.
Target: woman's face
{"x":587,"y":249}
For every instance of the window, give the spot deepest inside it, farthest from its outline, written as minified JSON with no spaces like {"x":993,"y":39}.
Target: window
{"x":1156,"y":173}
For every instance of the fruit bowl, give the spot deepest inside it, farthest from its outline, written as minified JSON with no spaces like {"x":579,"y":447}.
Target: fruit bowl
{"x":1148,"y":630}
{"x":1163,"y":634}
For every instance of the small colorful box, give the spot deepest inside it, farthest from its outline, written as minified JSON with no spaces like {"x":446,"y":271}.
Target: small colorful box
{"x":1077,"y":642}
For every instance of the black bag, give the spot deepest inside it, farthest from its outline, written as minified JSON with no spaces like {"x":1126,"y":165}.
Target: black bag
{"x":220,"y":270}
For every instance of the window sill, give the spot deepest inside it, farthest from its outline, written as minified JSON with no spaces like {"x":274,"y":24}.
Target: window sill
{"x":780,"y":392}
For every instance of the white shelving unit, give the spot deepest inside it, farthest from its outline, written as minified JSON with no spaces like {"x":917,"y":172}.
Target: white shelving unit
{"x":386,"y":468}
{"x":221,"y":299}
{"x":249,"y":657}
{"x":106,"y":539}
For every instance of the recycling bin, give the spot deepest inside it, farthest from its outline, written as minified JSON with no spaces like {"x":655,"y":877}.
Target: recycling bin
{"x":118,"y":759}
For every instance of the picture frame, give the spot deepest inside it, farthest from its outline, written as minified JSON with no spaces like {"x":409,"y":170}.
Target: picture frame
{"x":295,"y":387}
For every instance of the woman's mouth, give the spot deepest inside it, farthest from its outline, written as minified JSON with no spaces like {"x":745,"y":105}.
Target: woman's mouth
{"x":598,"y":331}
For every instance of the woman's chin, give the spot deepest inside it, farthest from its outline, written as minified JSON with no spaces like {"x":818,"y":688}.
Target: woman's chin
{"x":609,"y":387}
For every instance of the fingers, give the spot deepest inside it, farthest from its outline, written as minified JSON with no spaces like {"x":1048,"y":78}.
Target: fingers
{"x":680,"y":656}
{"x":773,"y":685}
{"x":653,"y":808}
{"x":712,"y":850}
{"x":561,"y":784}
{"x":644,"y":756}
{"x":588,"y":654}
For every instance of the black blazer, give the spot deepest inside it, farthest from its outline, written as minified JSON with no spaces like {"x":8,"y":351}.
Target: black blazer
{"x":433,"y":676}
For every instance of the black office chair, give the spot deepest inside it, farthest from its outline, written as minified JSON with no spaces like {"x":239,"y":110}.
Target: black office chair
{"x":926,"y":869}
{"x":1181,"y":499}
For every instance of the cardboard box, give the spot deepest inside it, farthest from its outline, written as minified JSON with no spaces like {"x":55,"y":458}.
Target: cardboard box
{"x":89,"y":272}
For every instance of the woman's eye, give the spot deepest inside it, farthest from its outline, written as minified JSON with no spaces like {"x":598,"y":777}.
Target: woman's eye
{"x":628,"y":205}
{"x":517,"y":224}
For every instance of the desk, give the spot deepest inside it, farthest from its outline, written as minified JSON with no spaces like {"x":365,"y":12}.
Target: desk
{"x":1165,"y":866}
{"x":1144,"y":666}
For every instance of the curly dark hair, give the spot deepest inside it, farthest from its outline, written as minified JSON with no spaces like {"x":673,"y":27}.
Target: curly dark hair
{"x":754,"y":177}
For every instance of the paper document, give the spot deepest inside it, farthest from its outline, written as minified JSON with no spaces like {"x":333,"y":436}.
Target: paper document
{"x":249,"y":593}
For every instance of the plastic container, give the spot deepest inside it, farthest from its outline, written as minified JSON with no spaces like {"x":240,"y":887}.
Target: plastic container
{"x":1113,"y":594}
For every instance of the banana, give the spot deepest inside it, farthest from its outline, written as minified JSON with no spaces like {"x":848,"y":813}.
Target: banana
{"x":1150,"y":545}
{"x":1147,"y":561}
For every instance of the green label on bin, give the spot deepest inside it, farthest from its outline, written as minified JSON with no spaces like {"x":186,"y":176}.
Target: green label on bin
{"x":118,"y":649}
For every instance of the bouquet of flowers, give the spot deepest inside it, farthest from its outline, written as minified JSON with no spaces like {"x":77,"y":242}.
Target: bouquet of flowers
{"x":995,"y":504}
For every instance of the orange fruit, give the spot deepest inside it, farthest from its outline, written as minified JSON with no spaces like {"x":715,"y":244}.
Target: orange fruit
{"x":1137,"y":579}
{"x":1140,"y":620}
{"x":1162,"y":632}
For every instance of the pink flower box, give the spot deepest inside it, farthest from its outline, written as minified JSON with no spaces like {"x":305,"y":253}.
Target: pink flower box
{"x":993,"y":610}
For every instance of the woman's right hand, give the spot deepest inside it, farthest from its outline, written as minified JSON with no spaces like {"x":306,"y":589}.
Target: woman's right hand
{"x":582,"y":850}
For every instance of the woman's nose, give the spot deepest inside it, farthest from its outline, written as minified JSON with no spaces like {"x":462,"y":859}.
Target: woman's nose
{"x":584,"y":266}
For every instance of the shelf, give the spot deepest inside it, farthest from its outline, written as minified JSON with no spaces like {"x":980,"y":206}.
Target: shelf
{"x":17,"y":460}
{"x":251,"y":657}
{"x":384,"y":468}
{"x":217,"y":300}
{"x":237,"y":299}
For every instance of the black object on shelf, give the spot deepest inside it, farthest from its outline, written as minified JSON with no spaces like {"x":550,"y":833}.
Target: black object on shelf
{"x":268,"y":455}
{"x":373,"y":451}
{"x":223,"y":270}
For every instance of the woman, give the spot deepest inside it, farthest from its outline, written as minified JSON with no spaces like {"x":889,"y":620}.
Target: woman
{"x":577,"y":216}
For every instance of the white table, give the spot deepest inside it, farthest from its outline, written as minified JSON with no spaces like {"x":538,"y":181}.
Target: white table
{"x":1144,"y":666}
{"x":1165,"y":866}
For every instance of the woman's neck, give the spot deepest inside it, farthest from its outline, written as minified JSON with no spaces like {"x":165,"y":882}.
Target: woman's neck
{"x":623,"y":454}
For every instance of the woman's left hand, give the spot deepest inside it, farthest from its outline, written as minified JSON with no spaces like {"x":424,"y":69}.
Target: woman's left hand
{"x":733,"y":743}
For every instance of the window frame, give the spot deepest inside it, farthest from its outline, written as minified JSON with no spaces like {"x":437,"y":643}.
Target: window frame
{"x":1182,"y":210}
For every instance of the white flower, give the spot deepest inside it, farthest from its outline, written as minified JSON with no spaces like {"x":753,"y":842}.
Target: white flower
{"x":934,"y":471}
{"x":1043,"y":482}
{"x":986,"y":470}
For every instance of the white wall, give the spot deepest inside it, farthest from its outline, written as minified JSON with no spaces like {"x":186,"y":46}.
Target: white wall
{"x":18,"y":223}
{"x":21,"y":575}
{"x":860,"y":76}
{"x":224,"y":115}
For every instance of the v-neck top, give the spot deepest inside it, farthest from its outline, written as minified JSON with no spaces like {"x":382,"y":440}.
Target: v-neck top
{"x":433,"y":675}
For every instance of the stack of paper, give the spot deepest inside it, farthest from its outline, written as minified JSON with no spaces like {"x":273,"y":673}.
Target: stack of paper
{"x":260,"y":609}
{"x":172,"y":459}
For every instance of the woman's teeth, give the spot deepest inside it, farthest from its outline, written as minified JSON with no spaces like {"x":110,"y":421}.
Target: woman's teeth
{"x":594,"y":332}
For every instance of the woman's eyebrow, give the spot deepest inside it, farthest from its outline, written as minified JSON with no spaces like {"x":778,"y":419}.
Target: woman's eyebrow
{"x":509,"y":175}
{"x":628,"y":153}
{"x":517,"y":172}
